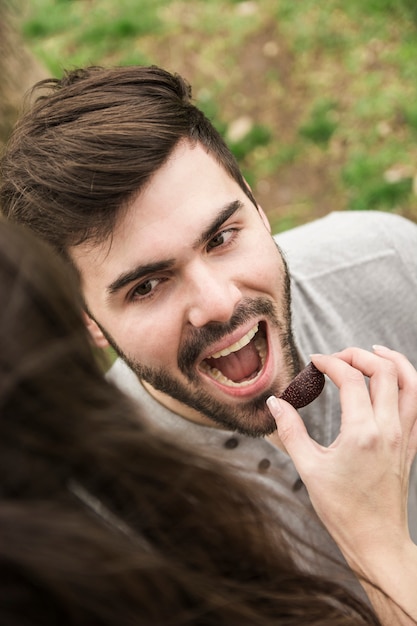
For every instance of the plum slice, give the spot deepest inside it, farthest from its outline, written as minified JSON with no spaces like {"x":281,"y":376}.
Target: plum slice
{"x":305,"y":387}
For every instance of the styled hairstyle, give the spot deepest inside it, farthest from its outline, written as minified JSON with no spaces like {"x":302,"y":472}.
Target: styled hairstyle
{"x":91,"y":141}
{"x":104,"y":522}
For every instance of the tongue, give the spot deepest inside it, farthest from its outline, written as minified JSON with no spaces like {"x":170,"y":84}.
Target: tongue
{"x":239,"y":365}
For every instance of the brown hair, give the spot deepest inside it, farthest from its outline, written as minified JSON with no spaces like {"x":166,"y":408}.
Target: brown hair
{"x":102,"y":521}
{"x":91,"y":141}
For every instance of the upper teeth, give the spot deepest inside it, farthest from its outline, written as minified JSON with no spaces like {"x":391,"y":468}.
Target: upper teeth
{"x":238,"y":345}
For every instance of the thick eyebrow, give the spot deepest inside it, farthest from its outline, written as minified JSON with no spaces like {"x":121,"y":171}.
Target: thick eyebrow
{"x":140,"y":272}
{"x":137,"y":274}
{"x":222,"y":217}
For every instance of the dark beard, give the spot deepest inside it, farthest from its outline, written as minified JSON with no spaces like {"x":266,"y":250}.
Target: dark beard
{"x":251,"y":418}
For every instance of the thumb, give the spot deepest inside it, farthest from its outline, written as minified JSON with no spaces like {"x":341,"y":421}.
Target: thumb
{"x":292,"y":432}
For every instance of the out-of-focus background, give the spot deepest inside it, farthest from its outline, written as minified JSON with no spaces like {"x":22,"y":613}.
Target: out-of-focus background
{"x":318,"y":100}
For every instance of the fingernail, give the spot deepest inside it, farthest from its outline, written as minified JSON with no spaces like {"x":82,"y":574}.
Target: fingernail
{"x":274,"y":405}
{"x":378,"y":348}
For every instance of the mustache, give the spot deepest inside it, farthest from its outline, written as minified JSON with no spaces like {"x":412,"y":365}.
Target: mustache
{"x":193,"y":346}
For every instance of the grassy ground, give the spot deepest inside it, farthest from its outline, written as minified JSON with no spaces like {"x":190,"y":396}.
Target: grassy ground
{"x":317,"y":99}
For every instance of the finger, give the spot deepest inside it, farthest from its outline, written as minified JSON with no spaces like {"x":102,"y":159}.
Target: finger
{"x":366,"y":362}
{"x":383,"y":381}
{"x":293,"y":434}
{"x":407,"y":383}
{"x":407,"y":374}
{"x":354,"y":395}
{"x":382,"y":386}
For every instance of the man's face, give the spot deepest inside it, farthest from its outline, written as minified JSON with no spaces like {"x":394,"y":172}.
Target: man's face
{"x":192,"y":292}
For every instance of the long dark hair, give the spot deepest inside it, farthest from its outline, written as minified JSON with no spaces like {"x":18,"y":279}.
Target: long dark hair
{"x":102,"y":521}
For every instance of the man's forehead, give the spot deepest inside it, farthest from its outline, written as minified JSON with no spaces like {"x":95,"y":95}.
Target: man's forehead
{"x":188,"y":197}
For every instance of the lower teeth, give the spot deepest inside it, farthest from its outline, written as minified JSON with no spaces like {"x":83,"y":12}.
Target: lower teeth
{"x":260,"y":345}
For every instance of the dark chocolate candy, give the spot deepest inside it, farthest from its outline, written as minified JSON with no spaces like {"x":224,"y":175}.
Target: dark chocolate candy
{"x":305,"y":387}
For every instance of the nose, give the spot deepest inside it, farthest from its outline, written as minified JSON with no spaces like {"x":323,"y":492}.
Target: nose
{"x":212,"y":295}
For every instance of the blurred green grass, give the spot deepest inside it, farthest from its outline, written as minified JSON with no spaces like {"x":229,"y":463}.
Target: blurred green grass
{"x":317,"y":100}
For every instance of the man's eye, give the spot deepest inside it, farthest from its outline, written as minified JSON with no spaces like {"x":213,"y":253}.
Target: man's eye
{"x":219,"y":239}
{"x":145,"y":288}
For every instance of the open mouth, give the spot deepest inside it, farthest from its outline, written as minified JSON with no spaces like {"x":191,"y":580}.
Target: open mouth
{"x":240,"y":364}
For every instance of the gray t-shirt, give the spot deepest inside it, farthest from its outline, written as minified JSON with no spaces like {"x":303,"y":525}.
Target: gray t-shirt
{"x":354,"y":283}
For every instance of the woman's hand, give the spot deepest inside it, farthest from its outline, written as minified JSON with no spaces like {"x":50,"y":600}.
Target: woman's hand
{"x":359,"y":484}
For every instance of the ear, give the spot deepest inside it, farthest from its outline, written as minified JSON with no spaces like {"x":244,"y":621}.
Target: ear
{"x":98,"y":338}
